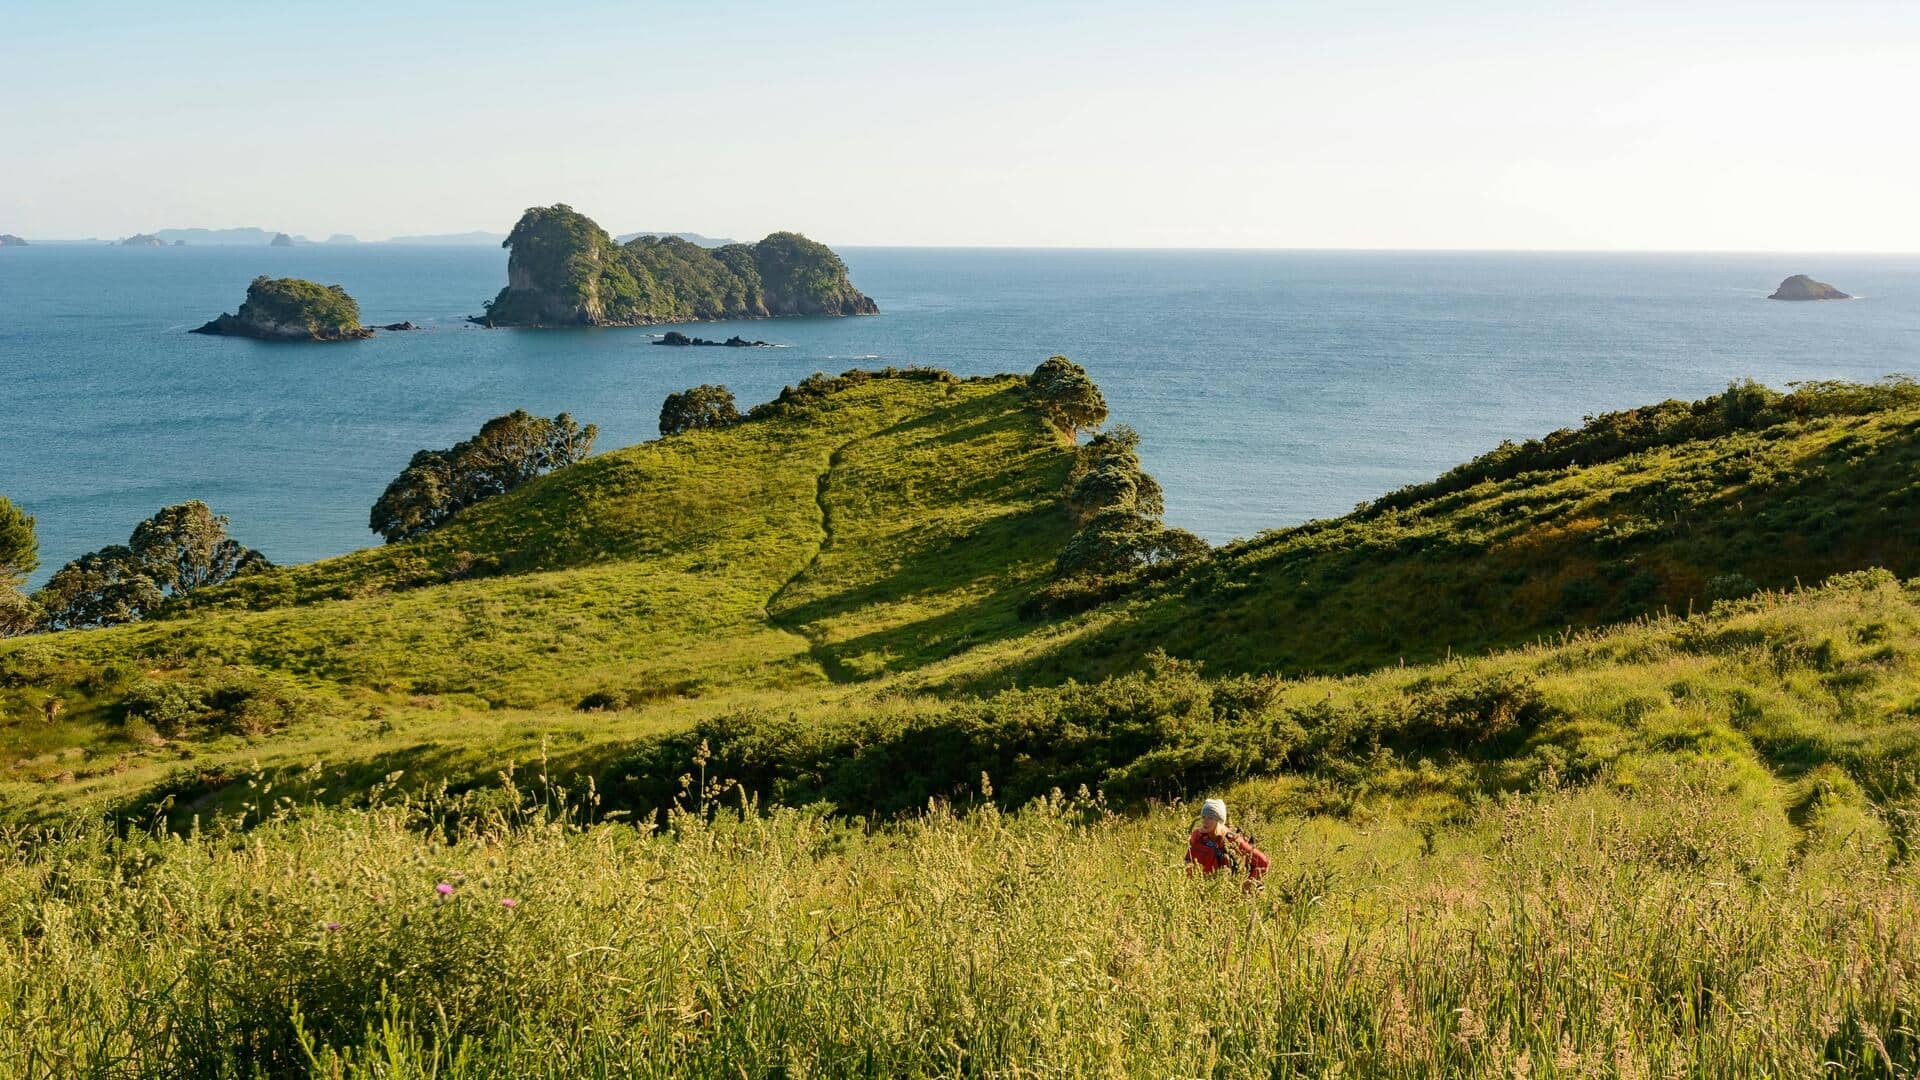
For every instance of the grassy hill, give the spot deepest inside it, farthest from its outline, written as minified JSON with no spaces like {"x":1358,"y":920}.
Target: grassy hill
{"x":892,"y":522}
{"x":734,"y":753}
{"x":1664,"y":508}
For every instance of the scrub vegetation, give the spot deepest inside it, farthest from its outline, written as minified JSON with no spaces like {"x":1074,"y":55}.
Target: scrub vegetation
{"x":799,"y":744}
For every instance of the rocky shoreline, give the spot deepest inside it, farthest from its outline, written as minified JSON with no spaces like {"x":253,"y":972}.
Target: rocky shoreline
{"x":675,"y":337}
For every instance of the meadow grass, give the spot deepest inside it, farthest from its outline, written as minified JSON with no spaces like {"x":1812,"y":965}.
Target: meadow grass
{"x":1667,"y":930}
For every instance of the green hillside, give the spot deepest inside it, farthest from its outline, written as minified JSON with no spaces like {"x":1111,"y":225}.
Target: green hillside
{"x":889,"y":523}
{"x":1664,"y":508}
{"x":780,"y":748}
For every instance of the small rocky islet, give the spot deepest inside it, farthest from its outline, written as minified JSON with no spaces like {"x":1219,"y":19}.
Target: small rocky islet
{"x":1802,"y":287}
{"x":675,"y":337}
{"x":294,"y":309}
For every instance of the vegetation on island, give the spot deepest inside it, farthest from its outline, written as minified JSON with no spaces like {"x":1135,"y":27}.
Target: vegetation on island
{"x":773,"y":746}
{"x":509,"y":451}
{"x":565,"y":270}
{"x":292,"y":309}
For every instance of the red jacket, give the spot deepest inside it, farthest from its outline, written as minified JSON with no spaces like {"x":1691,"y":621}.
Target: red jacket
{"x":1229,"y":849}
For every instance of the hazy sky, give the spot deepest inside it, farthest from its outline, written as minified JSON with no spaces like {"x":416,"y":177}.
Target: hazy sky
{"x":1412,"y":124}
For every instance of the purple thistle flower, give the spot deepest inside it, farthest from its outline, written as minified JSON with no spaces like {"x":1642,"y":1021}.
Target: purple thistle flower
{"x":444,"y":889}
{"x":333,"y":926}
{"x":509,"y":902}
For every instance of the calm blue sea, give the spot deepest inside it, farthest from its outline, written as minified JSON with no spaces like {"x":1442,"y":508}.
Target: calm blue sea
{"x":1270,"y":387}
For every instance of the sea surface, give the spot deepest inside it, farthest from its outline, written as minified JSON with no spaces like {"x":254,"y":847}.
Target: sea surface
{"x":1269,"y":387}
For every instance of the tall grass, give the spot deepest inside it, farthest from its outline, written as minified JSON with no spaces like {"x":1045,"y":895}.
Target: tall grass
{"x":1670,"y":932}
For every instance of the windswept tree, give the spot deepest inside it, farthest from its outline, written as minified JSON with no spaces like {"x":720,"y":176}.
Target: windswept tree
{"x":509,"y":451}
{"x":19,"y":556}
{"x":176,"y":551}
{"x":1119,"y":506}
{"x":1067,"y":396}
{"x":705,"y":406}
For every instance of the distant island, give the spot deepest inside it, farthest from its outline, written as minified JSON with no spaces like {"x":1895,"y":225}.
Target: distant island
{"x":478,"y":237}
{"x":342,"y":238}
{"x":10,"y":240}
{"x":689,"y":237}
{"x":565,"y":270}
{"x":675,"y":337}
{"x":200,"y":237}
{"x":280,"y":240}
{"x":1802,"y":287}
{"x":293,"y":309}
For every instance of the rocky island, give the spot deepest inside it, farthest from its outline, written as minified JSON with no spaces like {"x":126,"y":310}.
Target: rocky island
{"x":1802,"y":287}
{"x":291,"y":309}
{"x":280,"y":239}
{"x":10,"y":240}
{"x":565,"y":270}
{"x":143,"y":240}
{"x":675,"y":337}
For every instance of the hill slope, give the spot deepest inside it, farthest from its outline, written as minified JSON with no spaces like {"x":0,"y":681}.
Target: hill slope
{"x":894,"y":520}
{"x":1668,"y":507}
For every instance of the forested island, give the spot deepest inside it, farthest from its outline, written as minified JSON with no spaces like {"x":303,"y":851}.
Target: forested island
{"x":293,"y":309}
{"x":10,"y":240}
{"x":565,"y":270}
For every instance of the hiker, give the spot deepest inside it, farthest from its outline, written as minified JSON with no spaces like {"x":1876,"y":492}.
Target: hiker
{"x":1214,"y":846}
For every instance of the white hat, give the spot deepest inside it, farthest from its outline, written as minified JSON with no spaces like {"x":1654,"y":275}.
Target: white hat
{"x":1216,"y":809}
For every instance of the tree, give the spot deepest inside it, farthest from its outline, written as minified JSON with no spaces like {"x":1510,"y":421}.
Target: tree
{"x":176,"y":551}
{"x":509,"y":451}
{"x":101,"y":588}
{"x":186,"y":547}
{"x":1067,"y":396}
{"x":705,"y":406}
{"x":19,"y":549}
{"x":19,"y":556}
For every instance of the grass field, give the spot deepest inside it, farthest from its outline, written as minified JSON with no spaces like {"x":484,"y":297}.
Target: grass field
{"x":733,"y":754}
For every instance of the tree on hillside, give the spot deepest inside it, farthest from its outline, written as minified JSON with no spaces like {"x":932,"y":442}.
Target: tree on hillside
{"x":509,"y":451}
{"x":1118,"y":506}
{"x":705,"y":406}
{"x":1067,"y":396}
{"x":19,"y":556}
{"x":180,"y":549}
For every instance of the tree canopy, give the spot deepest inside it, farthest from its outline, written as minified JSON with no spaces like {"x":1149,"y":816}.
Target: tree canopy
{"x":19,"y":556}
{"x":180,"y":549}
{"x":509,"y":451}
{"x":1067,"y":395}
{"x":704,"y":406}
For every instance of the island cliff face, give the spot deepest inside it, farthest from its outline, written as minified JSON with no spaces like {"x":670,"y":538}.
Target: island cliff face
{"x":1802,"y":287}
{"x":292,"y":309}
{"x":565,"y":270}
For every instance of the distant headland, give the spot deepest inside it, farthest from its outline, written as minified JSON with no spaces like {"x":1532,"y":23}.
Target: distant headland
{"x":1802,"y":287}
{"x":565,"y":270}
{"x":10,"y":240}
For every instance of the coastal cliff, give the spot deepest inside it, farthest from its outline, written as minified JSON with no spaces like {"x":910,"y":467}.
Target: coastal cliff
{"x":565,"y":270}
{"x":292,"y":309}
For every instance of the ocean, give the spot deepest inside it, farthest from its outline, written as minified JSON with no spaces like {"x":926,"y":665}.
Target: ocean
{"x":1269,"y":387}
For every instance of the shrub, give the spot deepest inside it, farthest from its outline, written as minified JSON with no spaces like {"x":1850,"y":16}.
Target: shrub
{"x":705,"y":406}
{"x":509,"y":451}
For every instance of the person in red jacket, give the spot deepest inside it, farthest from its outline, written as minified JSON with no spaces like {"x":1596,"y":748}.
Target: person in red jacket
{"x":1213,"y":846}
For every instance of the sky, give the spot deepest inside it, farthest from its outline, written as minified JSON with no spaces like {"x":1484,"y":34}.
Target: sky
{"x":1397,"y":124}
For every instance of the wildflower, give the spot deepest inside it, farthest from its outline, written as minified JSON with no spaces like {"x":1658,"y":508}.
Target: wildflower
{"x":444,"y":888}
{"x":509,"y":902}
{"x":332,"y":926}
